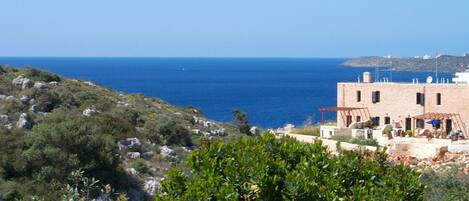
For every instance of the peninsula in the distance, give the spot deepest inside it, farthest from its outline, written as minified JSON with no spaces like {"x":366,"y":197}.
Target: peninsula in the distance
{"x":444,"y":63}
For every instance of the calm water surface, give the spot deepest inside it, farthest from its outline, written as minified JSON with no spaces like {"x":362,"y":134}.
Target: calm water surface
{"x":272,"y":91}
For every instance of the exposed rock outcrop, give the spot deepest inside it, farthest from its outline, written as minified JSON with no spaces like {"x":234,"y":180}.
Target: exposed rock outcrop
{"x":219,"y":132}
{"x":40,"y":85}
{"x":168,"y":153}
{"x":131,"y":171}
{"x":203,"y":122}
{"x":88,"y":112}
{"x":129,"y":143}
{"x":11,"y":98}
{"x":22,"y":82}
{"x":3,"y":119}
{"x":53,"y":83}
{"x":24,"y":122}
{"x":133,"y":155}
{"x":151,"y":185}
{"x":25,"y":99}
{"x":255,"y":131}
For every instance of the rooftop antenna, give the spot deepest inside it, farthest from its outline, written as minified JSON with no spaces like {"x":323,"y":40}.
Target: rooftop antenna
{"x":376,"y":73}
{"x":390,"y":72}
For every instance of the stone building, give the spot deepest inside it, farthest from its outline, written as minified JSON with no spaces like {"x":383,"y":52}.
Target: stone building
{"x":409,"y":105}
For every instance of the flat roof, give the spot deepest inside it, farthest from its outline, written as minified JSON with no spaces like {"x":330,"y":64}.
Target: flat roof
{"x":340,"y":108}
{"x":406,"y":83}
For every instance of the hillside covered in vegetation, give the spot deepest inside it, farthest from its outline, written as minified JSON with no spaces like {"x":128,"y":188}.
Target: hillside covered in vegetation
{"x":445,"y":63}
{"x":69,"y":139}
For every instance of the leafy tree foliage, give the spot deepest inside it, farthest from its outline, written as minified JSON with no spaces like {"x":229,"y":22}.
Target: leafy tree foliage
{"x":241,"y":119}
{"x":266,"y":168}
{"x":168,"y":132}
{"x":62,"y":143}
{"x":73,"y":143}
{"x":40,"y":75}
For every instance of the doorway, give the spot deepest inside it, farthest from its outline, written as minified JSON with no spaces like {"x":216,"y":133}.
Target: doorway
{"x":449,"y":125}
{"x":408,"y":124}
{"x":348,"y":120}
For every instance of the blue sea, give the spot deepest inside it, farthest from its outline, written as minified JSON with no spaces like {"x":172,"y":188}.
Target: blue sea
{"x":273,"y":91}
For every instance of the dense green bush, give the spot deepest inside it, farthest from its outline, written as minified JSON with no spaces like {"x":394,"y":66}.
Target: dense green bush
{"x":241,"y":119}
{"x":446,"y":186}
{"x":45,"y":100}
{"x":168,"y":132}
{"x":356,"y":140}
{"x":113,"y":126}
{"x":130,"y":115}
{"x":310,"y":130}
{"x":342,"y":138}
{"x":73,"y":143}
{"x":140,"y":166}
{"x":266,"y":168}
{"x":11,"y":107}
{"x":5,"y":85}
{"x":364,"y":141}
{"x":40,"y":75}
{"x":61,"y":143}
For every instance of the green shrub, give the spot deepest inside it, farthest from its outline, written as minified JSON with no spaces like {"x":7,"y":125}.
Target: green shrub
{"x":364,"y":141}
{"x":356,"y":140}
{"x":173,"y":132}
{"x":40,"y":75}
{"x":241,"y":119}
{"x":130,"y":115}
{"x":45,"y":100}
{"x":447,"y":186}
{"x":11,"y":107}
{"x":168,"y":132}
{"x":387,"y":131}
{"x":140,"y":166}
{"x":113,"y":126}
{"x":63,"y":143}
{"x":342,"y":138}
{"x":409,"y":133}
{"x":314,"y":131}
{"x":266,"y":168}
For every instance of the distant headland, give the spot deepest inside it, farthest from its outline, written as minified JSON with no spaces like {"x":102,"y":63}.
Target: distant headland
{"x":444,"y":63}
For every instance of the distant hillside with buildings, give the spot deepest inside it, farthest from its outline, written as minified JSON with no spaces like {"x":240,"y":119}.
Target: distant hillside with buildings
{"x":446,"y":63}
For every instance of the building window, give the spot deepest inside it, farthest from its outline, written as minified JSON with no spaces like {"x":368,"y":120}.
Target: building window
{"x":420,"y":123}
{"x":387,"y":120}
{"x":359,"y":96}
{"x":438,"y":98}
{"x":375,"y":121}
{"x":375,"y":97}
{"x":420,"y":99}
{"x":358,"y":119}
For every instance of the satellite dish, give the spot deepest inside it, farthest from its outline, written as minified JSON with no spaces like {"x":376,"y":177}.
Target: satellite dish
{"x":429,"y":79}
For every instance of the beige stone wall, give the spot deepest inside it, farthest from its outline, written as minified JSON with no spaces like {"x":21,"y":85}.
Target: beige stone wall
{"x":398,"y":100}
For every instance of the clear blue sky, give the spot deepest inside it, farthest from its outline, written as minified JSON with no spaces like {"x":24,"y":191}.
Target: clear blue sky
{"x":236,"y":28}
